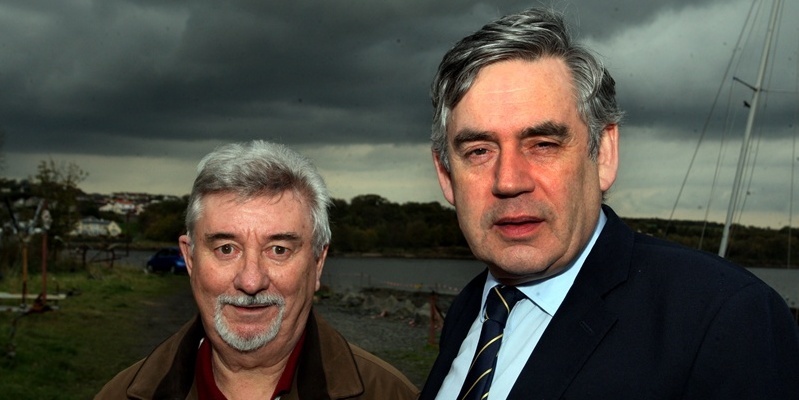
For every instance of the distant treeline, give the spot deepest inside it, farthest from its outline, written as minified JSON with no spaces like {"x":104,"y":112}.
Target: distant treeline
{"x":372,"y":224}
{"x":749,"y":246}
{"x":366,"y":224}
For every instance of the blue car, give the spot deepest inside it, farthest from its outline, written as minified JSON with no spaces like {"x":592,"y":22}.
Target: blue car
{"x":168,"y":259}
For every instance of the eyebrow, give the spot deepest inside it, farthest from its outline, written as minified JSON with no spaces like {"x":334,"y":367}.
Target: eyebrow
{"x":212,"y":237}
{"x":468,"y":135}
{"x":286,"y":236}
{"x":547,"y":128}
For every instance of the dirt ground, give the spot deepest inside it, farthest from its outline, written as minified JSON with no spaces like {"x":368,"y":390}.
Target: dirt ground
{"x":165,"y":316}
{"x":400,"y":342}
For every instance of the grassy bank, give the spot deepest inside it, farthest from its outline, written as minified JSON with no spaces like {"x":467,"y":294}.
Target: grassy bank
{"x":113,"y":317}
{"x":69,"y":353}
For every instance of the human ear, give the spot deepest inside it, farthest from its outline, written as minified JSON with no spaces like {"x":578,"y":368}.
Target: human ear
{"x":444,"y":179}
{"x":608,"y":156}
{"x":320,"y":264}
{"x":185,"y":248}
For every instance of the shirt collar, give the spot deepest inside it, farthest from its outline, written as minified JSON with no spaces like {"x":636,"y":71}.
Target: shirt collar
{"x":548,"y":294}
{"x":204,"y":376}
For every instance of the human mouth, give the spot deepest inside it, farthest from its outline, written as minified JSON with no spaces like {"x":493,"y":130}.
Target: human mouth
{"x":251,"y":304}
{"x":250,"y":308}
{"x":517,"y":227}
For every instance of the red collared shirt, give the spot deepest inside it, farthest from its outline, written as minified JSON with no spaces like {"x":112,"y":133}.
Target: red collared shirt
{"x":204,"y":375}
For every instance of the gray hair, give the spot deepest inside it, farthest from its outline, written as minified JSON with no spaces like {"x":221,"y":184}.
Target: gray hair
{"x":529,"y":35}
{"x":260,"y":168}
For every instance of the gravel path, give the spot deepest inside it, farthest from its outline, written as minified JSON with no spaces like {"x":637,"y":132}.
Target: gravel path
{"x":398,"y":341}
{"x":164,"y":316}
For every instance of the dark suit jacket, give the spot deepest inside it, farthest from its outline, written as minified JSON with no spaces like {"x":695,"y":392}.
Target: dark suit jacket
{"x":649,"y":319}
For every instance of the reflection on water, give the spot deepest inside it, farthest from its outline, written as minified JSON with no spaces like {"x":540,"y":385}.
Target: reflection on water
{"x":442,"y":276}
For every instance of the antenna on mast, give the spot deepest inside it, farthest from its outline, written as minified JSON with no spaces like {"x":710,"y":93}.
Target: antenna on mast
{"x":757,"y":88}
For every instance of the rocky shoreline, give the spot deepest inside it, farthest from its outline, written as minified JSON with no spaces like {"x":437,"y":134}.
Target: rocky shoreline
{"x":395,"y":325}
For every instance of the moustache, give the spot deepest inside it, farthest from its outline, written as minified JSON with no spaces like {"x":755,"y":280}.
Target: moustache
{"x":264,"y":299}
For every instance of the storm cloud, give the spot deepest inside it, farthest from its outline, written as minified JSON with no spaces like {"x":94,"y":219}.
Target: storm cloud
{"x":135,"y":92}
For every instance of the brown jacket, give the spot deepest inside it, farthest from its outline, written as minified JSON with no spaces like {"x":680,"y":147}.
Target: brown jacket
{"x":328,"y":368}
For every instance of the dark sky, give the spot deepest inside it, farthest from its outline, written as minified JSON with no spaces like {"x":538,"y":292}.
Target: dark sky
{"x":136,"y":93}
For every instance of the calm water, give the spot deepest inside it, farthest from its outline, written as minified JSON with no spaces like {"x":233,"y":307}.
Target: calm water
{"x":442,"y":276}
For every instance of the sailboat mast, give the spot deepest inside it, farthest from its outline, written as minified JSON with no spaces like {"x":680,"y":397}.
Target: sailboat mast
{"x":736,"y":185}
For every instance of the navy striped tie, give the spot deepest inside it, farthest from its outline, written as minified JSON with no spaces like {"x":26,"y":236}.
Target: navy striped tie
{"x":499,"y":302}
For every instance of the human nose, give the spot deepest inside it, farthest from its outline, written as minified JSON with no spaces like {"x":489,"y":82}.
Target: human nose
{"x":512,"y":175}
{"x":253,"y":276}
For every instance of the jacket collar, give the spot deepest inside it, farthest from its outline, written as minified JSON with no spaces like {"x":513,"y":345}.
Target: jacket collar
{"x":324,"y":371}
{"x":583,"y":319}
{"x":171,"y":365}
{"x":577,"y":328}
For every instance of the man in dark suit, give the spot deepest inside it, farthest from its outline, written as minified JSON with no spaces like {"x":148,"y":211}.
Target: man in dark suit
{"x":525,"y":145}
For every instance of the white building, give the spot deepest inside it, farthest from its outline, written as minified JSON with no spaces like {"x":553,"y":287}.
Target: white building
{"x":122,"y":207}
{"x":92,"y":226}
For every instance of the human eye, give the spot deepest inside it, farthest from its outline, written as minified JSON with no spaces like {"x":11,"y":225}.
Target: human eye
{"x":279,"y":252}
{"x":476,"y":154}
{"x":226,"y":250}
{"x":543,"y":146}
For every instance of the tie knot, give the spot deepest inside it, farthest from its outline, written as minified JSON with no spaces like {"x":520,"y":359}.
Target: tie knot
{"x":500,"y":301}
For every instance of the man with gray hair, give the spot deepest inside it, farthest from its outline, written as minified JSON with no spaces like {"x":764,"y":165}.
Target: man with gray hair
{"x":257,"y":237}
{"x":573,"y":303}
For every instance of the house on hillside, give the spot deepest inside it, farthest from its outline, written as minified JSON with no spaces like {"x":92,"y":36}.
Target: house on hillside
{"x":122,"y":207}
{"x":93,"y":227}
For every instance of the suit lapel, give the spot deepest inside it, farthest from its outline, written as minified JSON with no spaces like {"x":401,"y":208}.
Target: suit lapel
{"x":582,"y":321}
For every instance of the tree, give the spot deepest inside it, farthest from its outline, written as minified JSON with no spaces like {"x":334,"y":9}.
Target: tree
{"x":374,"y":224}
{"x":57,"y":184}
{"x":163,"y":222}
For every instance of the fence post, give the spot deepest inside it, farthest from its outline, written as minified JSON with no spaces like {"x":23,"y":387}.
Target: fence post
{"x":431,"y":336}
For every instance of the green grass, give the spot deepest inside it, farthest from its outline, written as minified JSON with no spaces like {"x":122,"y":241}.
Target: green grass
{"x":71,"y":352}
{"x":414,"y":364}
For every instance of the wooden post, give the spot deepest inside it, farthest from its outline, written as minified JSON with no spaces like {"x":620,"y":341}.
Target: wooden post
{"x":431,"y":335}
{"x":44,"y":267}
{"x":24,"y":273}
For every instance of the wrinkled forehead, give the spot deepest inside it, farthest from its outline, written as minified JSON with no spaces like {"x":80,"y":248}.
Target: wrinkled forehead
{"x":222,"y":202}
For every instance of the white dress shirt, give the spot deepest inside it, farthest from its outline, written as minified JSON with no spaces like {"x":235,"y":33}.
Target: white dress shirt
{"x":526,"y":324}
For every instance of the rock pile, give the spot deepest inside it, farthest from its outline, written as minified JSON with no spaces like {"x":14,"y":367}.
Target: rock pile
{"x":414,"y":306}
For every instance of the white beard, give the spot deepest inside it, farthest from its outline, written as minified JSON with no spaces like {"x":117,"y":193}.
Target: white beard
{"x":245,"y":344}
